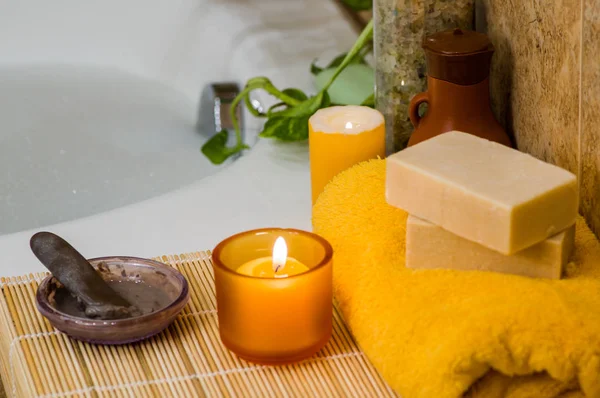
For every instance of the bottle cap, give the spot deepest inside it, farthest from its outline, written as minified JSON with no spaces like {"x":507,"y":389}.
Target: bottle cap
{"x":458,"y":56}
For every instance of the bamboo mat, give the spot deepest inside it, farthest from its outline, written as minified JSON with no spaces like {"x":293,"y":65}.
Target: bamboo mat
{"x":186,"y":360}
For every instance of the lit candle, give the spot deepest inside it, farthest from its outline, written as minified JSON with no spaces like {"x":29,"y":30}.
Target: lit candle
{"x":277,"y":308}
{"x":340,"y":137}
{"x":277,"y":266}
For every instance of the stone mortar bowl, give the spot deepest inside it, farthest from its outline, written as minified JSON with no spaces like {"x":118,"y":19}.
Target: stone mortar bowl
{"x":119,"y":331}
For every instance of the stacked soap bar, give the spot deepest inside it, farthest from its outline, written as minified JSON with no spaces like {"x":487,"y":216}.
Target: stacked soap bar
{"x":430,"y":246}
{"x":475,"y":204}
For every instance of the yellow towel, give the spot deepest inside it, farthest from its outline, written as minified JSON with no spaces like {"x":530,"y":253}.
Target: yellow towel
{"x":444,"y":333}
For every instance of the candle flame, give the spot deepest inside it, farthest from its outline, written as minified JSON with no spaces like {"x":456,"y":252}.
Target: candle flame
{"x":348,"y":125}
{"x":279,"y":254}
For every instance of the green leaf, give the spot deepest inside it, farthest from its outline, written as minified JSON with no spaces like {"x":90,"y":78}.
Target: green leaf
{"x":295,"y":94}
{"x":359,"y":58}
{"x":306,"y":108}
{"x":216,"y":149}
{"x":286,"y":128}
{"x":275,"y":126}
{"x":369,"y":101}
{"x":351,"y":87}
{"x":275,"y":108}
{"x":337,"y":61}
{"x":291,"y":92}
{"x":314,"y":69}
{"x":291,"y":124}
{"x":297,"y":129}
{"x":326,"y":102}
{"x":359,"y":5}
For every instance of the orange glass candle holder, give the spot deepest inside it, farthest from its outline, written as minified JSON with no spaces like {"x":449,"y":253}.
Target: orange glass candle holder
{"x":274,"y":320}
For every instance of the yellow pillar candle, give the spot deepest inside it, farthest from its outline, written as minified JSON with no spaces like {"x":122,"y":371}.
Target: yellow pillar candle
{"x":339,"y":137}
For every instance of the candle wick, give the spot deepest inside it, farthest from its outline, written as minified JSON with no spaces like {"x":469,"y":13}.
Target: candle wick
{"x":277,"y":269}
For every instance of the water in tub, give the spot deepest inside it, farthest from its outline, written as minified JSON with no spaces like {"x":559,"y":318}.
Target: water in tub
{"x":79,"y":141}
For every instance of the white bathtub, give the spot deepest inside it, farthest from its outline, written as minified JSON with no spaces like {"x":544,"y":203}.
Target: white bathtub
{"x":98,"y":112}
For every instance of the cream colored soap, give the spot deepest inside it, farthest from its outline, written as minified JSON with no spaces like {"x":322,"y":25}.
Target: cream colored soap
{"x":496,"y":196}
{"x":429,"y":246}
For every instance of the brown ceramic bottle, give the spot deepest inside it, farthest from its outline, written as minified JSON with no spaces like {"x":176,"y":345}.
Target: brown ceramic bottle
{"x":458,"y":97}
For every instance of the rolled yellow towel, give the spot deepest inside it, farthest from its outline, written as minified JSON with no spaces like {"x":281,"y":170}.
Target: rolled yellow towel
{"x":445,"y":333}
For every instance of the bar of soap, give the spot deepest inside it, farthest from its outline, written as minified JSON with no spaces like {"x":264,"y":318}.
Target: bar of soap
{"x":429,"y":246}
{"x":482,"y":191}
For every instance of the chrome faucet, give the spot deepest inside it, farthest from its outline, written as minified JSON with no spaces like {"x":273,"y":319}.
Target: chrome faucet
{"x":215,"y":104}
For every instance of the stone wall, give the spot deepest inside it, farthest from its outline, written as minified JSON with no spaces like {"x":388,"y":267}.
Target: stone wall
{"x":545,"y":84}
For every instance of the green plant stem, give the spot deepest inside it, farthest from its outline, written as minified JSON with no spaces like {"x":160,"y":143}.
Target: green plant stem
{"x":362,"y":40}
{"x":234,"y":120}
{"x":255,"y":84}
{"x":265,"y":84}
{"x":289,"y":101}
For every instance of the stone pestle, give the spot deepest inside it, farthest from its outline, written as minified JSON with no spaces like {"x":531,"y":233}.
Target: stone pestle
{"x":78,"y":276}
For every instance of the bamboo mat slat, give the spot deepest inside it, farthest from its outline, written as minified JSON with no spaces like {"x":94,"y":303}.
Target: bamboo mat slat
{"x":186,"y":360}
